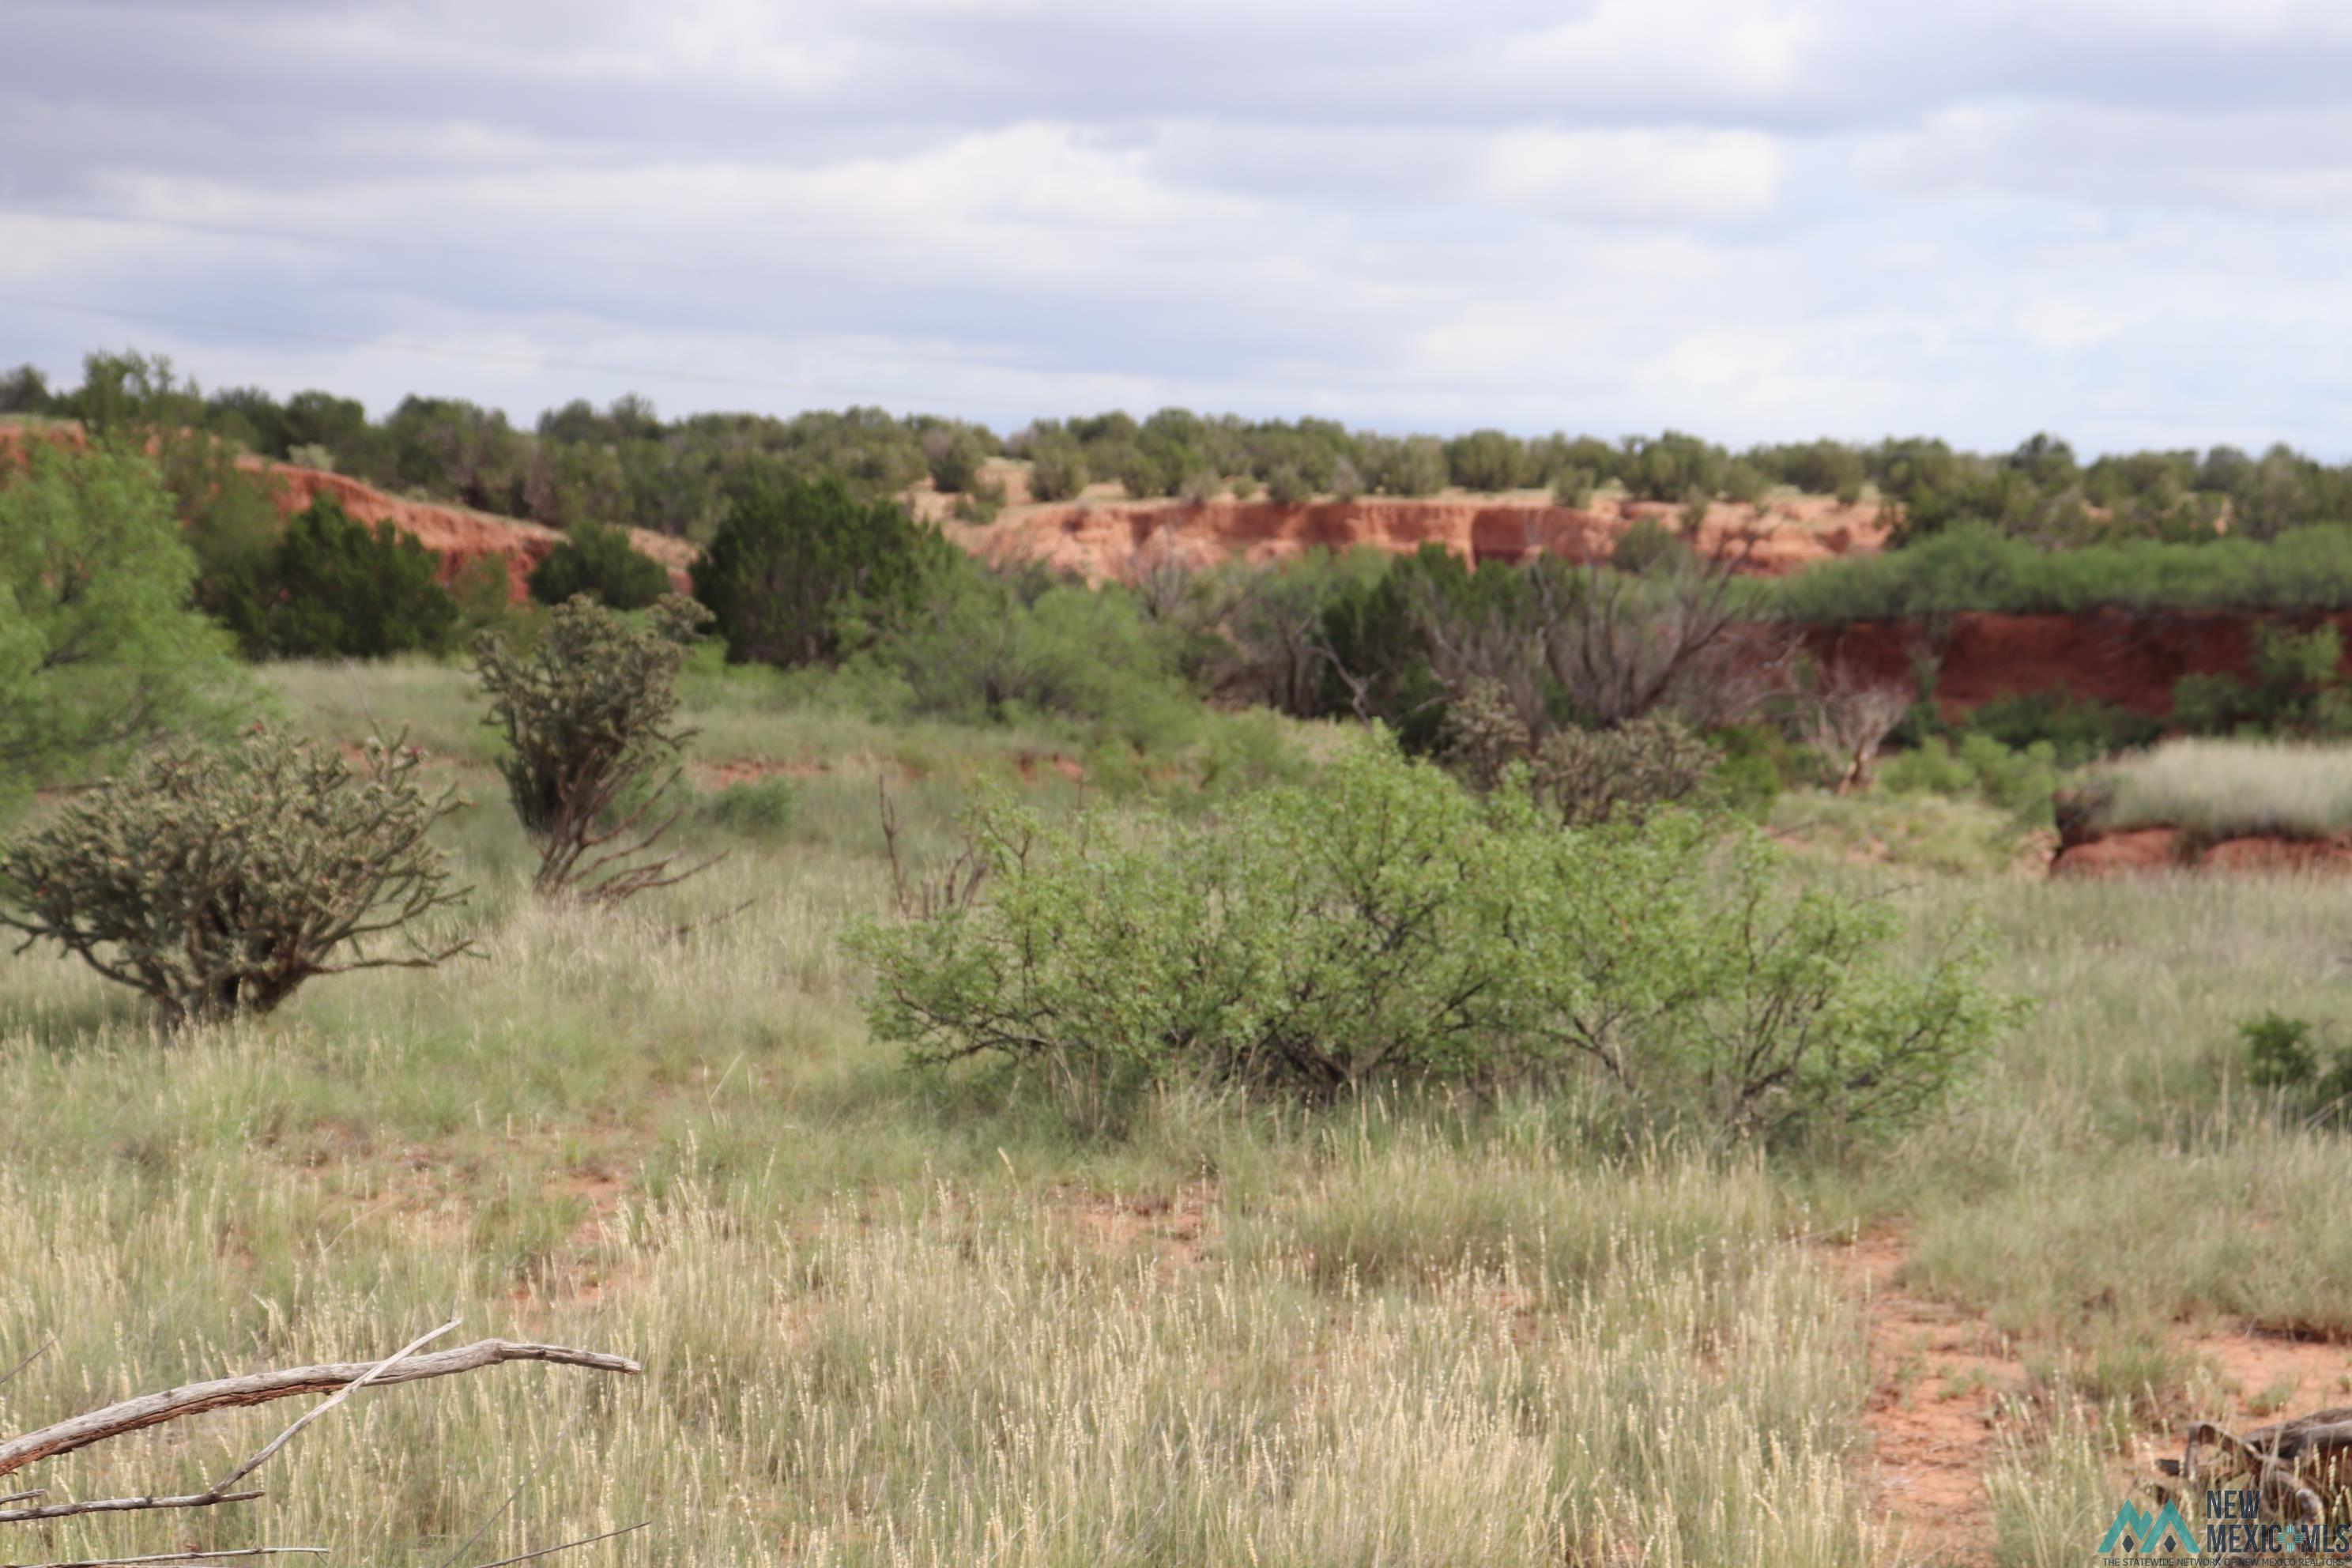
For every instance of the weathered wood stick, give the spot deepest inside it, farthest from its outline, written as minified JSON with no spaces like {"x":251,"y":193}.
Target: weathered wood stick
{"x":229,"y":1393}
{"x":115,"y":1505}
{"x":174,"y":1557}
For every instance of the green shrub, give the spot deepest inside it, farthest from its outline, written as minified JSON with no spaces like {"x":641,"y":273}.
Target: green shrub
{"x":601,"y":562}
{"x":1573,"y":488}
{"x":2280,"y":1054}
{"x":1976,"y":567}
{"x":1590,"y":776}
{"x":101,"y":652}
{"x":2078,"y":729}
{"x":796,"y":562}
{"x":755,"y":808}
{"x":1486,"y":460}
{"x":984,"y":646}
{"x":1058,"y":471}
{"x":1288,"y":486}
{"x":1381,"y":924}
{"x":335,"y":588}
{"x":219,"y":882}
{"x":2297,"y":690}
{"x":957,"y":455}
{"x":2023,"y":781}
{"x":2278,"y":1051}
{"x":1414,"y":465}
{"x":1646,"y":544}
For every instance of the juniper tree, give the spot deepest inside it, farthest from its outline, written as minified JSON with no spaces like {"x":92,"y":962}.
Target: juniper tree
{"x":219,"y":880}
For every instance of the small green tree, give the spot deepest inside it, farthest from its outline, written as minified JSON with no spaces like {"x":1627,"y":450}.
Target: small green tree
{"x":794,"y":558}
{"x":1058,"y":471}
{"x":588,"y":717}
{"x":218,"y":881}
{"x":957,"y":454}
{"x":601,"y":562}
{"x":334,"y":588}
{"x":101,"y":651}
{"x":1486,"y":460}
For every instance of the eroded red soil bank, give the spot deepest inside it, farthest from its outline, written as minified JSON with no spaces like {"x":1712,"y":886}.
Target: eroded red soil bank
{"x":2131,"y":659}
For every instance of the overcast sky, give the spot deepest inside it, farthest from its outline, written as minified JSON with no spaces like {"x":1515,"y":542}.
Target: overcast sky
{"x":2125,"y":220}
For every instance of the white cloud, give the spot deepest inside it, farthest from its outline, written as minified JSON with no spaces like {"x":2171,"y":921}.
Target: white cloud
{"x":1752,"y":217}
{"x":1669,"y":174}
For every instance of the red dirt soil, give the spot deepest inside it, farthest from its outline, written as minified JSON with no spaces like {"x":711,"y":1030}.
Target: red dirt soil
{"x":1938,"y":1373}
{"x":2113,"y":655}
{"x":2150,"y":851}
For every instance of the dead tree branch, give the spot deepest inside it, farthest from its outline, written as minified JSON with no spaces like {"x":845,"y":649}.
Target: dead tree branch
{"x":925,"y":896}
{"x":551,"y":1551}
{"x":178,"y":1557}
{"x":229,"y":1393}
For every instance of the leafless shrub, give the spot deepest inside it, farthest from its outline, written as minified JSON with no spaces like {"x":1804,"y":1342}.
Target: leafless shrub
{"x":1621,"y":644}
{"x":1845,"y":715}
{"x":927,"y":894}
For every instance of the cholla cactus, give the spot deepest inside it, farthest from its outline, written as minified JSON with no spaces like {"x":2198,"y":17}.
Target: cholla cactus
{"x":217,"y":881}
{"x":587,"y":715}
{"x":1589,"y":775}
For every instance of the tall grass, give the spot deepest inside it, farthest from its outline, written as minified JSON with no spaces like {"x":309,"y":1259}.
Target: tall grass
{"x":897,"y":1319}
{"x":2230,"y":788}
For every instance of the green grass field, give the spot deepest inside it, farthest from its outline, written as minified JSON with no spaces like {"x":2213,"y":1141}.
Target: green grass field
{"x":897,"y":1318}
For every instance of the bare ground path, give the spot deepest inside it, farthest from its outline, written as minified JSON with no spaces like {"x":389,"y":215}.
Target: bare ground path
{"x":1939,"y":1375}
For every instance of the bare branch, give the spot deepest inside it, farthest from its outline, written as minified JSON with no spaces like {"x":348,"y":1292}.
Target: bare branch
{"x":116,"y":1505}
{"x":308,"y":1416}
{"x":551,"y":1551}
{"x":52,"y":1342}
{"x":177,"y":1557}
{"x":195,"y":1399}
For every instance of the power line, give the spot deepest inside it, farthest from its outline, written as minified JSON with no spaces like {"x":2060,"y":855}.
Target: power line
{"x":491,"y":356}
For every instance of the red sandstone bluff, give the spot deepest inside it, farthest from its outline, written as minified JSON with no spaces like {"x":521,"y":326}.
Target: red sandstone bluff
{"x":1109,"y":540}
{"x":458,"y":535}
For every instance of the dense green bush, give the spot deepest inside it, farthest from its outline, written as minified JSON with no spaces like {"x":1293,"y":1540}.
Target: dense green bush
{"x":1488,"y":460}
{"x":2077,"y":729}
{"x":1058,"y":471}
{"x":2020,"y":781}
{"x":987,"y":646}
{"x":335,"y":588}
{"x":1414,"y":465}
{"x":2299,"y":688}
{"x":1976,"y":568}
{"x":99,"y":649}
{"x":601,"y":562}
{"x":2281,"y":1054}
{"x":1382,"y":925}
{"x":795,"y":563}
{"x":755,"y":808}
{"x":957,"y":453}
{"x":221,"y":881}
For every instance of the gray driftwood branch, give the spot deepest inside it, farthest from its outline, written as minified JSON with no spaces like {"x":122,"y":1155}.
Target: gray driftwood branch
{"x":260,"y":1388}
